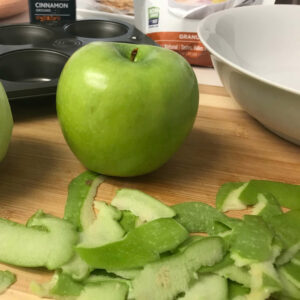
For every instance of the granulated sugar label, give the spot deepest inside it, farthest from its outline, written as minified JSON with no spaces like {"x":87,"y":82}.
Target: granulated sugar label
{"x":173,"y":24}
{"x":185,"y":43}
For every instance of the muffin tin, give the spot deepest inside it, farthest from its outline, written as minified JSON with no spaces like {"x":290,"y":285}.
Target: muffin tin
{"x":33,"y":56}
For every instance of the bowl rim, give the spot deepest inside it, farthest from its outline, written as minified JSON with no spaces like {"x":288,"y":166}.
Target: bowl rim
{"x":234,"y":65}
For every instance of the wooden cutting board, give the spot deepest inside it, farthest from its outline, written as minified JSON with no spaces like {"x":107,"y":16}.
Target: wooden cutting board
{"x":225,"y":145}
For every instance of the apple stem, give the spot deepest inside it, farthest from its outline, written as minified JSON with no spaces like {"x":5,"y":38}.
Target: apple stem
{"x":133,"y":54}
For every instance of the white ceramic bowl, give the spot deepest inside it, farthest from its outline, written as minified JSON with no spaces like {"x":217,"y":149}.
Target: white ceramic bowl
{"x":256,"y":52}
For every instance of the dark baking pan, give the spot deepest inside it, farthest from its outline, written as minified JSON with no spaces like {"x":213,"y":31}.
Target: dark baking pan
{"x":32,"y":56}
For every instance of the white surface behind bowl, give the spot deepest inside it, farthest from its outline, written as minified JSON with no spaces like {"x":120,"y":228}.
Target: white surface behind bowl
{"x":256,"y":51}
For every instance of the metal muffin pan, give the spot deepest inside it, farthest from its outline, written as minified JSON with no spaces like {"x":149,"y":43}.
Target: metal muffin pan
{"x":32,"y":56}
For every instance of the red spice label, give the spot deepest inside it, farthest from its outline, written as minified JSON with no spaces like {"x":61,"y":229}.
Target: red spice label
{"x":185,"y":43}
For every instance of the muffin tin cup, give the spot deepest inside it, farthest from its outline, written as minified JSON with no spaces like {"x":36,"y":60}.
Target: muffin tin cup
{"x":93,"y":29}
{"x":30,"y":72}
{"x":24,"y":34}
{"x":33,"y":56}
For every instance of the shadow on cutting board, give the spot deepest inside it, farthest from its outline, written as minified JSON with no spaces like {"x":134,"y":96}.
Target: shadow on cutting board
{"x":192,"y":161}
{"x":28,"y":163}
{"x":37,"y":108}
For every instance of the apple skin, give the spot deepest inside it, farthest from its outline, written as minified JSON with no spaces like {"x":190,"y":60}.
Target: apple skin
{"x":6,"y":123}
{"x":123,"y":116}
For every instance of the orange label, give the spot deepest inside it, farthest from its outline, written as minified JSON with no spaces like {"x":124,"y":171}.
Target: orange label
{"x":185,"y":43}
{"x":47,"y":18}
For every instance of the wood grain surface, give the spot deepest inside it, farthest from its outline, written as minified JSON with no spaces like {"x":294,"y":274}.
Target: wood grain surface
{"x":225,"y":145}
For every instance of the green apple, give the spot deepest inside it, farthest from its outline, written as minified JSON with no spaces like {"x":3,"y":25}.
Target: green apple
{"x":6,"y":122}
{"x":125,"y":109}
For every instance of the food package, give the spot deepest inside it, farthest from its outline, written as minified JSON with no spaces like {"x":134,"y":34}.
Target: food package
{"x":173,"y":23}
{"x":121,"y":7}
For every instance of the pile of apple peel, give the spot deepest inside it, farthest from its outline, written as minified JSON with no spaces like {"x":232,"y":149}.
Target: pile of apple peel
{"x":136,"y":247}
